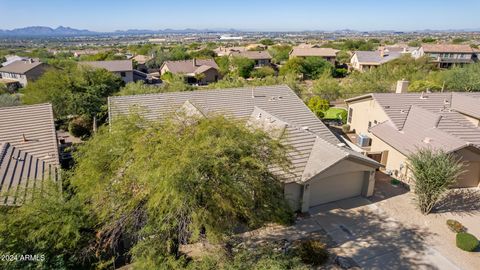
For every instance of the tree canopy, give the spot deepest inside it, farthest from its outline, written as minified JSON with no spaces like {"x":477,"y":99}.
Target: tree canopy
{"x":73,"y":90}
{"x":192,"y":179}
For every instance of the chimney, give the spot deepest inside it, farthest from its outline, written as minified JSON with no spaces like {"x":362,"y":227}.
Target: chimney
{"x":194,"y":62}
{"x":382,"y":52}
{"x":402,"y":86}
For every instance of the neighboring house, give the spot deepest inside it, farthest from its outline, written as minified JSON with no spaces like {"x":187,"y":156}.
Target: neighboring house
{"x":196,"y":71}
{"x":141,"y":61}
{"x":28,"y":151}
{"x":12,"y":58}
{"x":447,"y":55}
{"x":123,"y":68}
{"x":226,"y":51}
{"x":390,"y":126}
{"x":365,"y":60}
{"x":23,"y":71}
{"x":328,"y":54}
{"x":323,"y":168}
{"x":261,"y":58}
{"x":87,"y":52}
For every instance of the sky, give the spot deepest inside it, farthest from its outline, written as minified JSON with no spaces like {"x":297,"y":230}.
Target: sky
{"x":262,"y":15}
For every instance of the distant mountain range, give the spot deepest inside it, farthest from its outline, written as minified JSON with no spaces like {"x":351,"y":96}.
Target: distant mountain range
{"x":61,"y":31}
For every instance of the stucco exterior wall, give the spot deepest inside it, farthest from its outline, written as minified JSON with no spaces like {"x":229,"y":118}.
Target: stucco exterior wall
{"x":211,"y":75}
{"x":365,"y":111}
{"x":128,"y":76}
{"x":343,"y":168}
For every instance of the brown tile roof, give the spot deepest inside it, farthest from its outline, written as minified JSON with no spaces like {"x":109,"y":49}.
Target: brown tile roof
{"x":254,"y":55}
{"x":188,"y":66}
{"x":305,"y":133}
{"x":112,"y":65}
{"x":21,"y":66}
{"x":322,"y":52}
{"x":438,"y":116}
{"x":447,"y":48}
{"x":28,"y":151}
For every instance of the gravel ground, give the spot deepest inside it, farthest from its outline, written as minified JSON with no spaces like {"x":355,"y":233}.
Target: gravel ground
{"x":462,"y":205}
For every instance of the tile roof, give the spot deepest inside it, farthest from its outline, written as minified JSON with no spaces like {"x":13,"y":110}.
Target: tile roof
{"x":112,"y":65}
{"x":322,"y":52}
{"x":28,"y":150}
{"x":420,"y":119}
{"x":447,"y":48}
{"x":188,"y":66}
{"x":375,"y":57}
{"x":278,"y":103}
{"x":254,"y":55}
{"x":21,"y":66}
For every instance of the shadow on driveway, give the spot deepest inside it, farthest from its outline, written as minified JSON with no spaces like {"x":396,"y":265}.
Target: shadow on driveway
{"x":460,"y":201}
{"x":374,"y":240}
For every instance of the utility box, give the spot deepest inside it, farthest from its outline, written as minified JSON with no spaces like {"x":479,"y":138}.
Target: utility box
{"x":364,"y":140}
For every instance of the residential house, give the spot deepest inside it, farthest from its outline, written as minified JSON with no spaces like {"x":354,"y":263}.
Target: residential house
{"x":23,"y":71}
{"x":391,"y":126}
{"x":196,"y":71}
{"x":28,"y":151}
{"x":123,"y":68}
{"x":323,"y":168}
{"x":447,"y":55}
{"x":12,"y":58}
{"x":328,"y":54}
{"x":141,"y":61}
{"x":261,"y":58}
{"x":365,"y":60}
{"x":226,"y":51}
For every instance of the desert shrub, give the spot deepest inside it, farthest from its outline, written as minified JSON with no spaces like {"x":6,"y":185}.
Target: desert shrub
{"x":346,"y":128}
{"x":312,"y":252}
{"x":455,"y":226}
{"x":79,"y":126}
{"x":262,"y":72}
{"x":466,"y":241}
{"x":318,"y":106}
{"x":434,"y":171}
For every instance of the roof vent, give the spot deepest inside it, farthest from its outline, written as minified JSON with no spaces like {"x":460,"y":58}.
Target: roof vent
{"x":403,"y":111}
{"x":445,"y":101}
{"x":427,"y":140}
{"x":341,"y":145}
{"x":305,"y":128}
{"x":423,"y":96}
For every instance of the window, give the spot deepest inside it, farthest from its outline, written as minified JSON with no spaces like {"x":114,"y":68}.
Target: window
{"x":123,"y":74}
{"x":350,"y":113}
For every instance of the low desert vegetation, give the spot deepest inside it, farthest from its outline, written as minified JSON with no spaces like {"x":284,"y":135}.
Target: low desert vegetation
{"x":466,"y":241}
{"x":434,"y":172}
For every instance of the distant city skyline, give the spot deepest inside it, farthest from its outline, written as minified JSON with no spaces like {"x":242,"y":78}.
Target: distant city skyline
{"x":266,"y":15}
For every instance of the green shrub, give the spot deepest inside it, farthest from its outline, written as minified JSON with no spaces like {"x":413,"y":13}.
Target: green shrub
{"x":455,"y":226}
{"x":79,"y":126}
{"x":466,"y":241}
{"x":395,"y":182}
{"x":312,"y":252}
{"x":346,"y":128}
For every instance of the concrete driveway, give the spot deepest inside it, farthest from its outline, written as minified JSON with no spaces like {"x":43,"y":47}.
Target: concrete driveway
{"x":373,"y":239}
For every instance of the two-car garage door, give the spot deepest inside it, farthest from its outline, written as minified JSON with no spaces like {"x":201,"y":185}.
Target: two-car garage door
{"x":337,"y":187}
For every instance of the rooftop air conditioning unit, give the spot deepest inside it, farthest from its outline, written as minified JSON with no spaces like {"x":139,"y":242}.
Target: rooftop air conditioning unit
{"x":364,"y":140}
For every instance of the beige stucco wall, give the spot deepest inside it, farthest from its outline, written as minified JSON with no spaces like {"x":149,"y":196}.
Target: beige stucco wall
{"x":211,"y":75}
{"x":364,"y":111}
{"x":471,"y":176}
{"x":345,"y":168}
{"x":395,"y":161}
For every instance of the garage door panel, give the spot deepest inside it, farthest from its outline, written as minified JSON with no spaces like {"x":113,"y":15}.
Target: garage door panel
{"x":336,"y":188}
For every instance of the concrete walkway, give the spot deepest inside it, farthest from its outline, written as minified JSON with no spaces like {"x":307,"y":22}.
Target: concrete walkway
{"x":373,"y":239}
